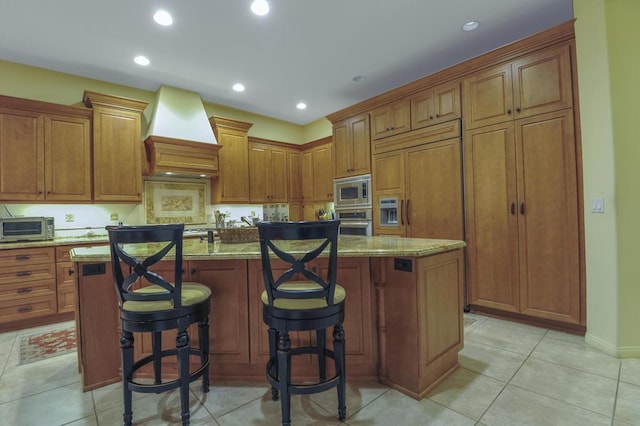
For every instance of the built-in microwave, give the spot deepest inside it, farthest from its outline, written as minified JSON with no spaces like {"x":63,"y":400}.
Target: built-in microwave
{"x":353,"y":191}
{"x":26,"y":229}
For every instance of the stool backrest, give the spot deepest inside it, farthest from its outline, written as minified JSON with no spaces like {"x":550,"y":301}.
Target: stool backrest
{"x":129,"y":243}
{"x":326,"y":234}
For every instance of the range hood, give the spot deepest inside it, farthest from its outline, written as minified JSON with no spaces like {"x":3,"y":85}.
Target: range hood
{"x":180,"y":141}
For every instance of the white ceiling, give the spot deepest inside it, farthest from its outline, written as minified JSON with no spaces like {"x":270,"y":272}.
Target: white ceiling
{"x":303,"y":50}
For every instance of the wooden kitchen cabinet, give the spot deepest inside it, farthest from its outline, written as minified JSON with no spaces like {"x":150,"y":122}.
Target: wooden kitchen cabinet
{"x":45,"y":151}
{"x":535,"y":84}
{"x":391,"y":119}
{"x":268,"y":174}
{"x":65,"y":280}
{"x":117,"y":147}
{"x":322,"y":173}
{"x":522,"y":218}
{"x":232,"y":184}
{"x":435,"y":105}
{"x":352,"y":146}
{"x":294,"y":176}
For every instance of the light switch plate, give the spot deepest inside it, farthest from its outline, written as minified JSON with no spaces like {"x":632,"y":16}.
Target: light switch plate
{"x":597,"y":205}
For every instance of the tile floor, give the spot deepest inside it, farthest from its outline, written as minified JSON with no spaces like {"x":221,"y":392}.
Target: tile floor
{"x":511,"y":374}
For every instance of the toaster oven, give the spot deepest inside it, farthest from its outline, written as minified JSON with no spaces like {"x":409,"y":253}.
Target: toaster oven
{"x":14,"y":229}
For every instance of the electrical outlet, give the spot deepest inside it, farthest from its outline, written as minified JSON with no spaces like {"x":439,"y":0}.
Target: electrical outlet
{"x":597,"y":205}
{"x":114,"y":216}
{"x":69,"y":217}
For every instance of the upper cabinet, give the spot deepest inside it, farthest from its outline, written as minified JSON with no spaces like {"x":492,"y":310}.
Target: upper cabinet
{"x":232,"y":185}
{"x":534,"y":84}
{"x":294,"y":175}
{"x":391,"y":119}
{"x":45,"y":151}
{"x":435,"y":105}
{"x":352,"y":146}
{"x":117,"y":147}
{"x":267,"y":173}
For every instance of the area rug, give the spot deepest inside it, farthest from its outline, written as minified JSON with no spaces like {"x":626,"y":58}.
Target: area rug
{"x":37,"y":347}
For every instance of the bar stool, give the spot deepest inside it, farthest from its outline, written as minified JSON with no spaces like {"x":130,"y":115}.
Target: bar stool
{"x":300,"y":300}
{"x":161,"y":306}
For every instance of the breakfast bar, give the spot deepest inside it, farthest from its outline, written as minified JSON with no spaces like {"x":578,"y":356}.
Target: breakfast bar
{"x":403,"y":320}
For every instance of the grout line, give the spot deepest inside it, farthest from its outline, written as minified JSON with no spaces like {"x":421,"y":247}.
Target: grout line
{"x":615,"y":400}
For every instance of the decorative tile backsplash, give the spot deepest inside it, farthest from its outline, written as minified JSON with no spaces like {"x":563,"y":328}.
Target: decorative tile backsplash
{"x":276,"y":212}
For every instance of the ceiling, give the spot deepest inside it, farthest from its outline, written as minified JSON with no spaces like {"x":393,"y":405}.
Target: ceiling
{"x":302,"y":51}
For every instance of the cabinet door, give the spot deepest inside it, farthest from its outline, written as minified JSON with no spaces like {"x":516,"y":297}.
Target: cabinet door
{"x":548,"y":217}
{"x":68,"y":158}
{"x":117,"y":163}
{"x":542,"y":82}
{"x":433,"y":174}
{"x":229,"y":319}
{"x":258,"y":173}
{"x":295,"y":212}
{"x":232,"y":185}
{"x":422,"y":113}
{"x":65,"y":284}
{"x":21,"y":155}
{"x":323,"y":173}
{"x":294,"y":176}
{"x":380,"y":126}
{"x":343,"y":147}
{"x":391,"y":119}
{"x":361,"y":142}
{"x":488,"y":97}
{"x":446,"y":102}
{"x":307,"y":177}
{"x":492,"y":238}
{"x":388,"y":182}
{"x":278,"y":175}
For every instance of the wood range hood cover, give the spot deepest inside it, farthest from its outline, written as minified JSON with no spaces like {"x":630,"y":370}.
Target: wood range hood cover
{"x":180,"y":141}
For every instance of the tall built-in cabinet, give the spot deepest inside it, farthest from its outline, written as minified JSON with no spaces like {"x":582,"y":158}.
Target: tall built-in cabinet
{"x":117,"y":147}
{"x":45,"y":151}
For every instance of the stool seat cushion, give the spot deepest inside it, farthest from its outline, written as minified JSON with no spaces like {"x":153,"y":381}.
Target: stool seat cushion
{"x":192,"y":294}
{"x":303,"y":304}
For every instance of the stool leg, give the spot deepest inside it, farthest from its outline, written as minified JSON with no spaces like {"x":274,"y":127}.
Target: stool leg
{"x":338,"y":347}
{"x":126,"y":346}
{"x":156,"y":345}
{"x":284,"y":377}
{"x":182,"y":345}
{"x":273,"y":347}
{"x":321,"y":343}
{"x":203,"y":336}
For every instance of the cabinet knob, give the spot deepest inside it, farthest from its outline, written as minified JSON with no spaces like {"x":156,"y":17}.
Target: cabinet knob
{"x":513,"y":208}
{"x":518,"y":109}
{"x":431,"y":117}
{"x":193,"y":271}
{"x":437,"y":115}
{"x":70,"y":272}
{"x":523,"y":209}
{"x":509,"y":111}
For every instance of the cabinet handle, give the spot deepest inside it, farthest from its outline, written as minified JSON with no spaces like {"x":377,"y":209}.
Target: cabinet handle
{"x":23,"y":257}
{"x":23,"y":273}
{"x":509,"y":111}
{"x":24,"y":290}
{"x":401,"y":209}
{"x":70,"y":272}
{"x":523,"y":210}
{"x":408,"y":211}
{"x":518,"y":109}
{"x":193,"y":271}
{"x":513,"y":208}
{"x":23,"y":309}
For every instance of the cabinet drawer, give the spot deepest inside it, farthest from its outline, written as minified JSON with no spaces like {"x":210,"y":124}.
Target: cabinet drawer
{"x":21,"y":309}
{"x":26,"y":273}
{"x":19,"y":290}
{"x":29,"y":256}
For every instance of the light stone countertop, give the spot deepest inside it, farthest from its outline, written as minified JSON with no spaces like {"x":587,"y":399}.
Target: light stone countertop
{"x":348,"y":246}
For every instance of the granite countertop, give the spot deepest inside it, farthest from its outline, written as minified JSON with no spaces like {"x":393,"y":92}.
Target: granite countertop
{"x":348,"y":246}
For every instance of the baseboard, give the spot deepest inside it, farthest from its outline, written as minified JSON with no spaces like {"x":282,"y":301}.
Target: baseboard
{"x":608,"y":348}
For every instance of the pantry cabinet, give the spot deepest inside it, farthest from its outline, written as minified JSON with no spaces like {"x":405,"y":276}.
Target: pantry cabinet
{"x":267,"y":173}
{"x":117,"y":147}
{"x":535,"y":84}
{"x":435,"y":105}
{"x":352,"y":146}
{"x":522,"y":217}
{"x":232,"y":184}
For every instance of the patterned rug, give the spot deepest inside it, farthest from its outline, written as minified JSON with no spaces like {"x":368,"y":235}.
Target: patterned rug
{"x":48,"y":344}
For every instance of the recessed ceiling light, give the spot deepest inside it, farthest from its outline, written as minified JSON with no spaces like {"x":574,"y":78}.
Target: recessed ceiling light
{"x":301,"y":105}
{"x":141,"y":60}
{"x":260,"y":7}
{"x":162,"y":17}
{"x":238,"y":87}
{"x":470,"y":26}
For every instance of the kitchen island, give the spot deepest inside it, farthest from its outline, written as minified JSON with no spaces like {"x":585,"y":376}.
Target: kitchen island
{"x":403,"y":317}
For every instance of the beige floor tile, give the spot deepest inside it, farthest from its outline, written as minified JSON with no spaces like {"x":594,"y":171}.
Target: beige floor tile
{"x":577,"y":354}
{"x":394,"y":408}
{"x":628,"y":404}
{"x":467,"y":393}
{"x":24,"y":380}
{"x":110,"y":396}
{"x":265,"y":412}
{"x":477,"y":320}
{"x":223,"y":398}
{"x":7,"y":340}
{"x":516,"y":406}
{"x":158,"y":409}
{"x":489,"y":360}
{"x":586,"y":390}
{"x":358,"y":396}
{"x":630,"y":371}
{"x":519,"y":338}
{"x":86,"y":421}
{"x":53,"y":407}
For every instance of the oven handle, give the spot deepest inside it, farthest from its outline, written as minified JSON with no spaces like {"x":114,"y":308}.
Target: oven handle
{"x":354,"y":224}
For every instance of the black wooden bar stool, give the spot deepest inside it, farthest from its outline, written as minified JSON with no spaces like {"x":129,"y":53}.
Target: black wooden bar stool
{"x":154,"y":308}
{"x":301,"y":300}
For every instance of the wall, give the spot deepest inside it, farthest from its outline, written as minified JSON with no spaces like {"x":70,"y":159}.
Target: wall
{"x":607,"y":64}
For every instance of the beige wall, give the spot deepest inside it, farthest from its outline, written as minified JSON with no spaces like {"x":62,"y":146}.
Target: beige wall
{"x":607,"y":68}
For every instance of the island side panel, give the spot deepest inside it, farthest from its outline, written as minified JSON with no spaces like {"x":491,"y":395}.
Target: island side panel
{"x":423,"y":320}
